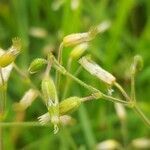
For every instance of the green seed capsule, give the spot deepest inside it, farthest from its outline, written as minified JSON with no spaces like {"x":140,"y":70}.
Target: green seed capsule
{"x":36,"y":65}
{"x":49,"y":90}
{"x":69,"y":105}
{"x":51,"y":100}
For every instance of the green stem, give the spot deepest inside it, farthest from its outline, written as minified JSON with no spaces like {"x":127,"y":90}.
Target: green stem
{"x":133,"y":97}
{"x":58,"y":75}
{"x":1,"y":139}
{"x":22,"y":124}
{"x":69,"y":64}
{"x":122,"y":91}
{"x":141,"y":115}
{"x":106,"y":97}
{"x":2,"y":78}
{"x":113,"y":99}
{"x":3,"y":88}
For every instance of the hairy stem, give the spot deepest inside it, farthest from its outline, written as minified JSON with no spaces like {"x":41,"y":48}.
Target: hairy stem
{"x":122,"y":91}
{"x":106,"y":97}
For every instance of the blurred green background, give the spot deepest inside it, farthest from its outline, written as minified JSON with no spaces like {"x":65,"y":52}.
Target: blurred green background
{"x":114,"y":50}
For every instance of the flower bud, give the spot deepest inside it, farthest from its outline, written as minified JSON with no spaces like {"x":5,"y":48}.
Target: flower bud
{"x":121,"y":112}
{"x":137,"y":64}
{"x":38,"y":32}
{"x":108,"y":145}
{"x":95,"y":70}
{"x":78,"y":50}
{"x":141,"y":143}
{"x":76,"y":38}
{"x":36,"y":65}
{"x":9,"y":56}
{"x":49,"y":91}
{"x":26,"y":100}
{"x":69,"y":105}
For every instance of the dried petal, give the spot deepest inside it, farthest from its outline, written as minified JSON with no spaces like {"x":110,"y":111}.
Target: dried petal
{"x":95,"y":70}
{"x":26,"y":100}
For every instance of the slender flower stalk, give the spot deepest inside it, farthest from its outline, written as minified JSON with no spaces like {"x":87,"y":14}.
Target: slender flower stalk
{"x":58,"y":75}
{"x":141,"y":115}
{"x":3,"y":89}
{"x":2,"y":105}
{"x":133,"y":96}
{"x":122,"y":91}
